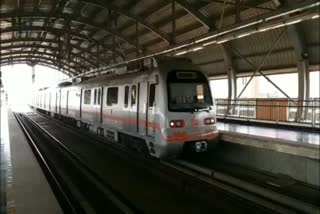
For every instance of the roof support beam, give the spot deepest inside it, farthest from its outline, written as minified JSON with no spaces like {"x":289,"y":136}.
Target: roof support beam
{"x":128,"y":14}
{"x":55,"y":11}
{"x":102,"y":27}
{"x":205,"y":21}
{"x":58,"y":32}
{"x":25,"y":46}
{"x":247,"y":5}
{"x":82,"y":21}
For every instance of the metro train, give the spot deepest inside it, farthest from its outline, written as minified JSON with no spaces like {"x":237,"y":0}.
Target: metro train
{"x":162,"y":111}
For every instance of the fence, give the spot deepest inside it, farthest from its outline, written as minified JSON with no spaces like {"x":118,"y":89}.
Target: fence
{"x":276,"y":110}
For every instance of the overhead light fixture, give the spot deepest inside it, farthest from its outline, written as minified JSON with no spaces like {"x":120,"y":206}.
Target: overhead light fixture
{"x":279,"y":25}
{"x":315,"y":16}
{"x":197,"y":48}
{"x":294,"y":22}
{"x":242,"y":35}
{"x":210,"y":43}
{"x":264,"y":29}
{"x":181,"y":53}
{"x":222,"y":41}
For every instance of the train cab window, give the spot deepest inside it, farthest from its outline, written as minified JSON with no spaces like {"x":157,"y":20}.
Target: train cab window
{"x":200,"y":93}
{"x":87,"y":97}
{"x":99,"y":96}
{"x":133,"y":95}
{"x":126,"y":96}
{"x":112,"y":96}
{"x":152,"y":94}
{"x":188,"y":91}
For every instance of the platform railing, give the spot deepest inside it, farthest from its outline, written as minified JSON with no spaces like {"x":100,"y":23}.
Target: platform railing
{"x":277,"y":110}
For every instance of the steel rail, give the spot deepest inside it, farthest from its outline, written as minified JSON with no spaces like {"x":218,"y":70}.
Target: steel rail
{"x":63,"y":196}
{"x":114,"y":197}
{"x":260,"y":193}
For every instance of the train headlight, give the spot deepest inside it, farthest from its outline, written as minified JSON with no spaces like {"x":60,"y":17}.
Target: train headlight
{"x":209,"y":121}
{"x":176,"y":123}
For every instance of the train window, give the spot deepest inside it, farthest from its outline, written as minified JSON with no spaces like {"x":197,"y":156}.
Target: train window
{"x":99,"y":96}
{"x":95,"y":96}
{"x":133,"y":95}
{"x":200,"y":93}
{"x":87,"y":96}
{"x":112,"y":96}
{"x":152,"y":94}
{"x":126,"y":96}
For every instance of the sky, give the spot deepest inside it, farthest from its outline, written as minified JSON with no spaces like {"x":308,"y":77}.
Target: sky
{"x":17,"y":81}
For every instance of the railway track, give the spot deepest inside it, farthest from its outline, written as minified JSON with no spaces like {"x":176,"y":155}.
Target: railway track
{"x":66,"y":172}
{"x":194,"y":178}
{"x":263,"y":196}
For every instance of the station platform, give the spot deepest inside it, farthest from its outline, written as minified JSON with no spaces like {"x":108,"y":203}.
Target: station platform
{"x":24,"y":187}
{"x":300,"y":143}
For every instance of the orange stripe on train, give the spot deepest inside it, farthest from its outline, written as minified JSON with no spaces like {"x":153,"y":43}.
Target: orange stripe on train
{"x":183,"y":136}
{"x":178,"y":136}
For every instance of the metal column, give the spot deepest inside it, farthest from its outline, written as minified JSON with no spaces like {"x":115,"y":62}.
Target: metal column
{"x":232,"y":79}
{"x":303,"y":89}
{"x":302,"y":69}
{"x":301,"y":52}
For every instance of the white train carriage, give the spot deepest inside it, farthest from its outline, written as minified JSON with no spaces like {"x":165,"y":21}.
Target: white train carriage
{"x":161,"y":111}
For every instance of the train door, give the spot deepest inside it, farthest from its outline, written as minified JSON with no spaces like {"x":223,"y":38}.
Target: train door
{"x":59,"y":101}
{"x":67,"y":103}
{"x":56,"y":103}
{"x":50,"y":101}
{"x":126,"y":110}
{"x":151,"y":105}
{"x":133,"y":115}
{"x":81,"y":104}
{"x":40,"y":100}
{"x":44,"y":101}
{"x":142,"y":105}
{"x":86,"y":108}
{"x":97,"y":104}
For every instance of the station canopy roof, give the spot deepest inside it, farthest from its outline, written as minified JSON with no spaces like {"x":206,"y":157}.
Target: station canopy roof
{"x":77,"y":36}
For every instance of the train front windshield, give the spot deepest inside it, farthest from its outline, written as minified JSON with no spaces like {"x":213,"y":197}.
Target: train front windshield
{"x":188,"y":91}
